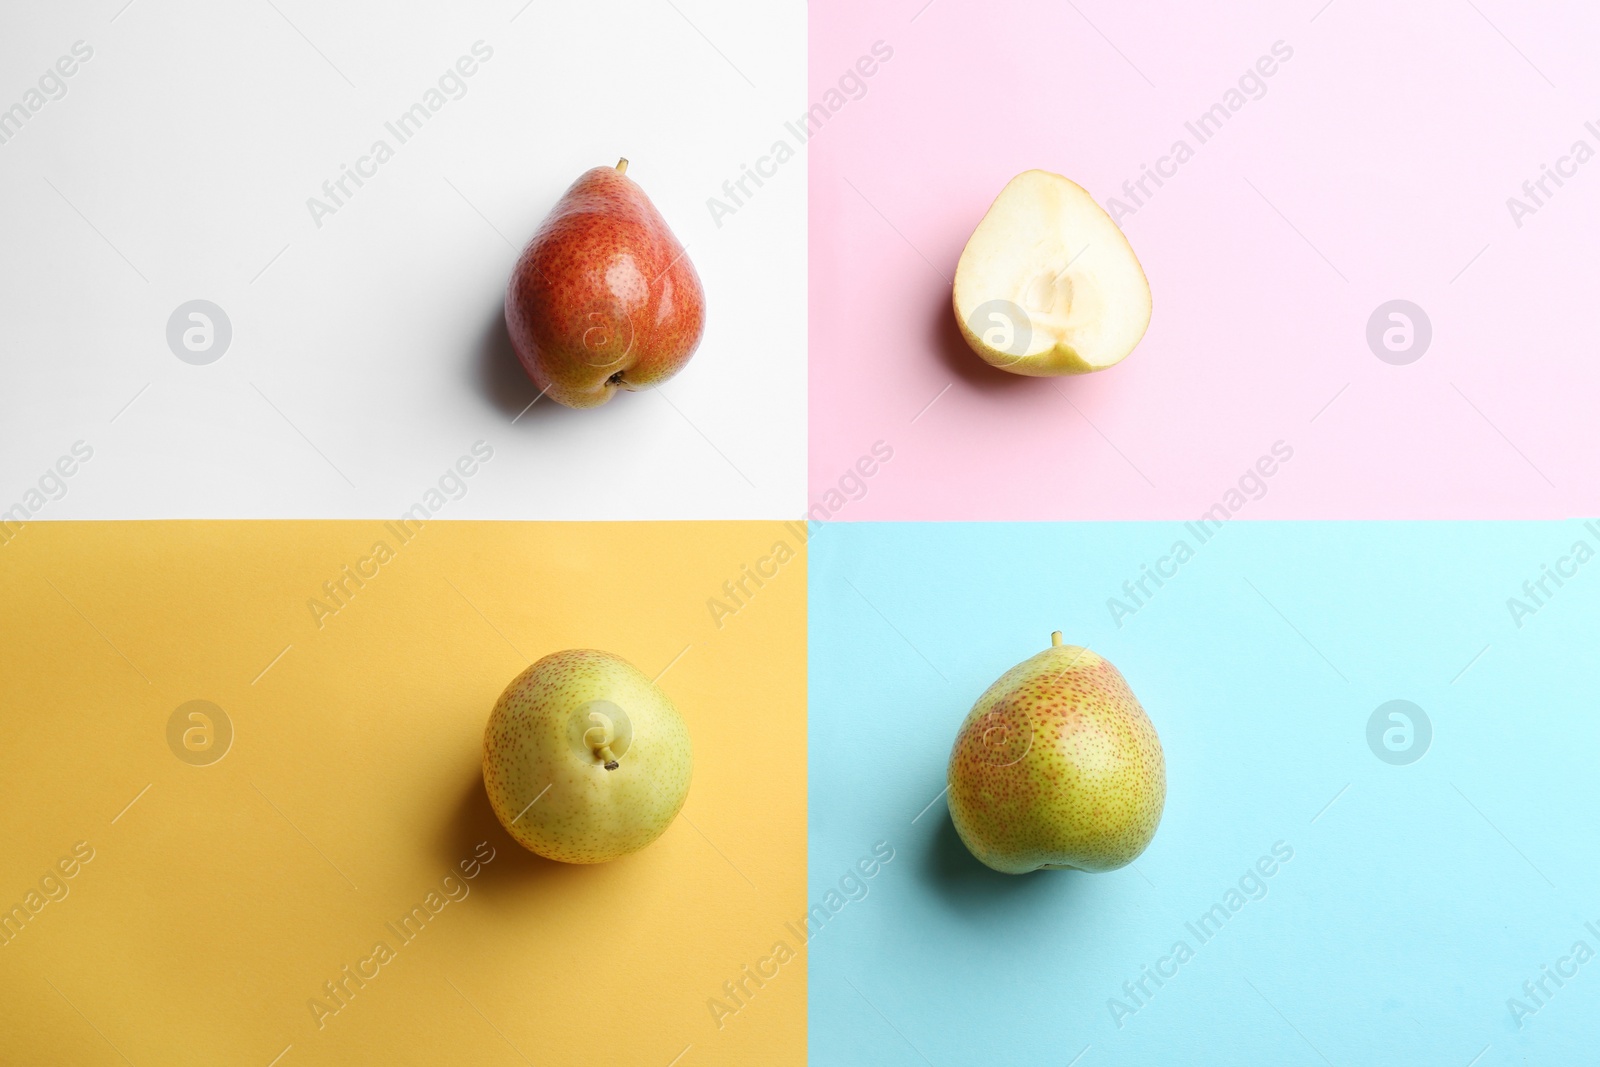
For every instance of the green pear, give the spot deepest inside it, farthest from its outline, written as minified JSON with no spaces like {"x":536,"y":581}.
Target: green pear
{"x":584,"y":758}
{"x":1057,"y":767}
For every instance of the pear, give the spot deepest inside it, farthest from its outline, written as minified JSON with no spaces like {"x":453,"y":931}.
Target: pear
{"x":1048,"y":284}
{"x":1057,"y":767}
{"x":584,"y":758}
{"x":603,"y":297}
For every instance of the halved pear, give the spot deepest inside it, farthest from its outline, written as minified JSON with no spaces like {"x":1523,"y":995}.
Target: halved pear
{"x":1048,"y":284}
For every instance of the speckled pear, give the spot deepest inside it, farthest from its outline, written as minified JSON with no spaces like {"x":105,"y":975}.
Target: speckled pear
{"x":584,"y":758}
{"x":1057,"y":767}
{"x":604,"y":297}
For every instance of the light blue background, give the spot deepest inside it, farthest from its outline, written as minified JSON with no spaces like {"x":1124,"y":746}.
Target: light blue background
{"x":1415,"y":905}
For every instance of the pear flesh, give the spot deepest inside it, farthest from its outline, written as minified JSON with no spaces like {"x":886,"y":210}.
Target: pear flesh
{"x":584,"y":758}
{"x":1057,"y":766}
{"x":1048,"y":284}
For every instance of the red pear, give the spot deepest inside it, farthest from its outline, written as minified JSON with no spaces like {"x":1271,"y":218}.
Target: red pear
{"x":603,"y":298}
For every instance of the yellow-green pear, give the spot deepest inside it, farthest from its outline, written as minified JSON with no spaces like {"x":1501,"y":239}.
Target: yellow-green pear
{"x":584,"y":758}
{"x":1048,"y":284}
{"x":1057,"y":767}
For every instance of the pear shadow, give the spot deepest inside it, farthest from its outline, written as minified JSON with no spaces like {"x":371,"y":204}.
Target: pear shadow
{"x":982,"y":893}
{"x":513,"y":870}
{"x":963,"y":362}
{"x":500,"y":375}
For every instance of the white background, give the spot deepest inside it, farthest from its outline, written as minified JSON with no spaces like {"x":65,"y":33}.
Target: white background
{"x":369,"y":355}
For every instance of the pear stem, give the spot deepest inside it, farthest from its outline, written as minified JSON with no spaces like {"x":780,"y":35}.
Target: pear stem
{"x":1055,"y":639}
{"x":622,"y":166}
{"x":599,"y":739}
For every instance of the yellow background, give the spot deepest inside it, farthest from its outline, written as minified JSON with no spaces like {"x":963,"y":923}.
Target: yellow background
{"x":218,"y":904}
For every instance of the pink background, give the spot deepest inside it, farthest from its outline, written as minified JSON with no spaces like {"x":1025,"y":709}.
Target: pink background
{"x":1390,"y":141}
